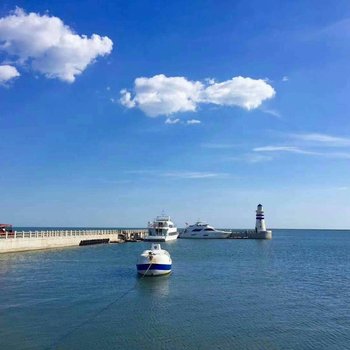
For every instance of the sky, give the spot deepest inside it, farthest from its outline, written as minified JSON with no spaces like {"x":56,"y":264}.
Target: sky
{"x":112,"y":112}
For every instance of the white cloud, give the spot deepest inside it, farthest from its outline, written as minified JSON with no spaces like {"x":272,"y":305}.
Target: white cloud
{"x":178,"y":174}
{"x":162,"y":95}
{"x":194,"y":175}
{"x":126,"y":99}
{"x":247,"y":93}
{"x":272,"y":112}
{"x":193,"y":122}
{"x":323,"y":139}
{"x":172,"y":121}
{"x":49,"y":46}
{"x":178,"y":121}
{"x":336,"y":155}
{"x":291,"y":149}
{"x":7,"y":73}
{"x":285,"y":78}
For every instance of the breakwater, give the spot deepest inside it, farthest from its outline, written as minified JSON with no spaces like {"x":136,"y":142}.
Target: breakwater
{"x":32,"y":240}
{"x":251,"y":234}
{"x":17,"y":241}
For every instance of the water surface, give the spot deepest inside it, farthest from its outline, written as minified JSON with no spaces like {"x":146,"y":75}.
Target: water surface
{"x":291,"y":292}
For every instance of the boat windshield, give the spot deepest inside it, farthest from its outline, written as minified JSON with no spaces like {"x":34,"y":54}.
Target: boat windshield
{"x":158,"y":232}
{"x":163,"y":218}
{"x":201,"y":224}
{"x":161,"y":224}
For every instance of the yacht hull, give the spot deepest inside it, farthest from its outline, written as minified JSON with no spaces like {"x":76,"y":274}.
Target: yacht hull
{"x":161,"y":238}
{"x":219,"y":236}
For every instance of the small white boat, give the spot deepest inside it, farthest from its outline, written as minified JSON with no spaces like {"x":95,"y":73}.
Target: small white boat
{"x":162,"y":229}
{"x":154,"y":262}
{"x":203,"y":230}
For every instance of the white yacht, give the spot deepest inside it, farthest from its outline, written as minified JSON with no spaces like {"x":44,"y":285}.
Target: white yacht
{"x":162,"y":229}
{"x":203,"y":230}
{"x":154,"y":262}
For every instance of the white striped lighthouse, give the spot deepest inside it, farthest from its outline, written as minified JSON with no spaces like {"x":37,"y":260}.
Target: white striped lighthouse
{"x":260,"y":225}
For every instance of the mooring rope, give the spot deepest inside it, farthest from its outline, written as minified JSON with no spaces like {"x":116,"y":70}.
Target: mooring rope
{"x":96,"y":314}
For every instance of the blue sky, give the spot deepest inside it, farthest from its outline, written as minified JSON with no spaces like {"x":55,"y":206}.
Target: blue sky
{"x":202,"y":109}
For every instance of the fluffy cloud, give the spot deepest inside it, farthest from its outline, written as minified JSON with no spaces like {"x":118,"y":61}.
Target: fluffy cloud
{"x":162,"y":95}
{"x":49,"y":46}
{"x":247,"y":93}
{"x":7,"y":73}
{"x":193,"y":122}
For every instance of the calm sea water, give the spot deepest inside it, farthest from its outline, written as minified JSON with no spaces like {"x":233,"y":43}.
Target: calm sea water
{"x":292,"y":292}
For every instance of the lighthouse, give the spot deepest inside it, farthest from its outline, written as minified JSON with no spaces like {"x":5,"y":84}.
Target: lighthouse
{"x":260,"y":226}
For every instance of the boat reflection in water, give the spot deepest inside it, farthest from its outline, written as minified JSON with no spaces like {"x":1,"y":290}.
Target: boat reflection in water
{"x":158,"y":287}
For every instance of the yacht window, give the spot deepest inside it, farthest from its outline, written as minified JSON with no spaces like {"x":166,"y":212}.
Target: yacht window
{"x":209,"y":229}
{"x":197,"y":230}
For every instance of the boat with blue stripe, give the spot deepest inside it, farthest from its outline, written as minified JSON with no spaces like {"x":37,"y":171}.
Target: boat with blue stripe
{"x":154,"y":262}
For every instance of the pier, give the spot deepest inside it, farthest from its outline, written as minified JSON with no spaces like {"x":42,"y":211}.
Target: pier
{"x":32,"y":240}
{"x":250,"y":234}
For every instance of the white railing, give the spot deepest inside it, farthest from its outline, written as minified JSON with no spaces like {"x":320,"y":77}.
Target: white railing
{"x":67,"y":233}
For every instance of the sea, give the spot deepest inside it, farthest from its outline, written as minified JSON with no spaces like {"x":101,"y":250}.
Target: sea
{"x":291,"y":292}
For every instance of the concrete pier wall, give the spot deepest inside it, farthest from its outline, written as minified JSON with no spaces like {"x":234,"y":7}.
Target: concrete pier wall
{"x":23,"y":241}
{"x":22,"y":244}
